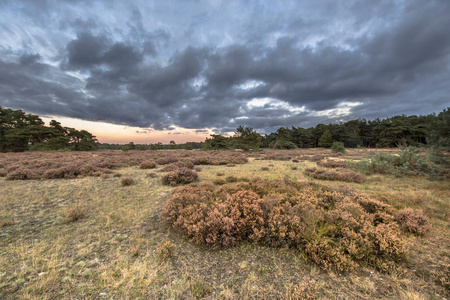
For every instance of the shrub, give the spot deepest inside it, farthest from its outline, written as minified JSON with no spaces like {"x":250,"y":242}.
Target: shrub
{"x":336,"y":228}
{"x":74,"y":213}
{"x":219,"y":181}
{"x":148,"y":164}
{"x":347,"y":176}
{"x":127,"y":181}
{"x":413,"y":221}
{"x":332,"y":164}
{"x":6,"y":220}
{"x":231,"y":179}
{"x":151,"y":175}
{"x":264,"y":168}
{"x":166,"y":250}
{"x":179,"y":176}
{"x":197,"y":169}
{"x":338,"y":147}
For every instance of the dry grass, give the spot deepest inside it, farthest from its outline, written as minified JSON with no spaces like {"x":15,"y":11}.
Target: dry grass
{"x":113,"y":249}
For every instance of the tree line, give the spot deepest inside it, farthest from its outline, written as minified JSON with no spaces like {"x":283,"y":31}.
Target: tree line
{"x":21,"y":132}
{"x":391,"y":132}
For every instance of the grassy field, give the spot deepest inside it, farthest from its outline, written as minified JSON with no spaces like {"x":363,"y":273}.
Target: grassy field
{"x":90,"y":237}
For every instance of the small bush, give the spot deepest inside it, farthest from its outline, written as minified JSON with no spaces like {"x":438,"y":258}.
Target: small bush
{"x":197,"y":169}
{"x":179,"y":176}
{"x":231,"y":179}
{"x":294,"y":168}
{"x":6,"y":221}
{"x":148,"y":164}
{"x":219,"y":181}
{"x":264,"y":168}
{"x":127,"y":181}
{"x":338,"y":147}
{"x":332,"y":164}
{"x":413,"y":221}
{"x":347,"y":176}
{"x":166,"y":250}
{"x":74,"y":213}
{"x":152,"y":175}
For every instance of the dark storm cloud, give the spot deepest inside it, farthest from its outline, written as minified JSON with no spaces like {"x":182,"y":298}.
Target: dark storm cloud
{"x":220,"y":66}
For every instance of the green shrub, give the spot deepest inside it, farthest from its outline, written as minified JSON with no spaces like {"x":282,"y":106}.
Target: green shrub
{"x":338,"y":147}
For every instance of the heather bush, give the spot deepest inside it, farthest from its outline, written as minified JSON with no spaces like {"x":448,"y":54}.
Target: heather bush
{"x":347,"y":176}
{"x":336,"y":228}
{"x":332,"y":164}
{"x":127,"y":181}
{"x":148,"y":164}
{"x":219,"y":181}
{"x":413,"y":221}
{"x":179,"y":176}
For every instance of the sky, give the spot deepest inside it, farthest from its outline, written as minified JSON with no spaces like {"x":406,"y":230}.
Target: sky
{"x":155,"y":71}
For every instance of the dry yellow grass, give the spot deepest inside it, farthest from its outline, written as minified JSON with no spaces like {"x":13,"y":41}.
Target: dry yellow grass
{"x":112,"y":250}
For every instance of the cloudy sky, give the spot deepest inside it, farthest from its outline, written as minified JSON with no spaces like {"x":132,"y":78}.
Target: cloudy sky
{"x":153,"y":71}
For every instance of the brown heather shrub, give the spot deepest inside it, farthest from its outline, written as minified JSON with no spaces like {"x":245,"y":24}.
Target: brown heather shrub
{"x":332,"y":164}
{"x":21,"y":174}
{"x":152,"y":175}
{"x":295,"y":160}
{"x":413,"y":221}
{"x":264,"y":168}
{"x":165,"y":160}
{"x":293,"y":168}
{"x":179,"y":176}
{"x":169,"y":168}
{"x":347,"y":176}
{"x":127,"y":181}
{"x":166,"y":250}
{"x":197,"y":169}
{"x":336,"y":228}
{"x":148,"y":164}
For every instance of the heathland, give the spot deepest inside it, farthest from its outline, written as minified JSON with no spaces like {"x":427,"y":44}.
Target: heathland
{"x":272,"y":224}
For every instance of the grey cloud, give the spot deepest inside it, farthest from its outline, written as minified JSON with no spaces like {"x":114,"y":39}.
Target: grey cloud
{"x":392,"y":58}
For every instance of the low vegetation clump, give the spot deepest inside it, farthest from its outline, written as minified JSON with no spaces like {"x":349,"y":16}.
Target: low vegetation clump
{"x":413,"y":221}
{"x":127,"y":181}
{"x":179,"y":176}
{"x":166,"y":250}
{"x":338,"y":147}
{"x":434,"y":166}
{"x":332,"y":164}
{"x":148,"y":164}
{"x":336,"y":228}
{"x":347,"y":176}
{"x":74,"y":213}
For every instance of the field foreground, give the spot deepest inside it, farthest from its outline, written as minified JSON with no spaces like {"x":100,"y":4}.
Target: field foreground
{"x":94,"y":225}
